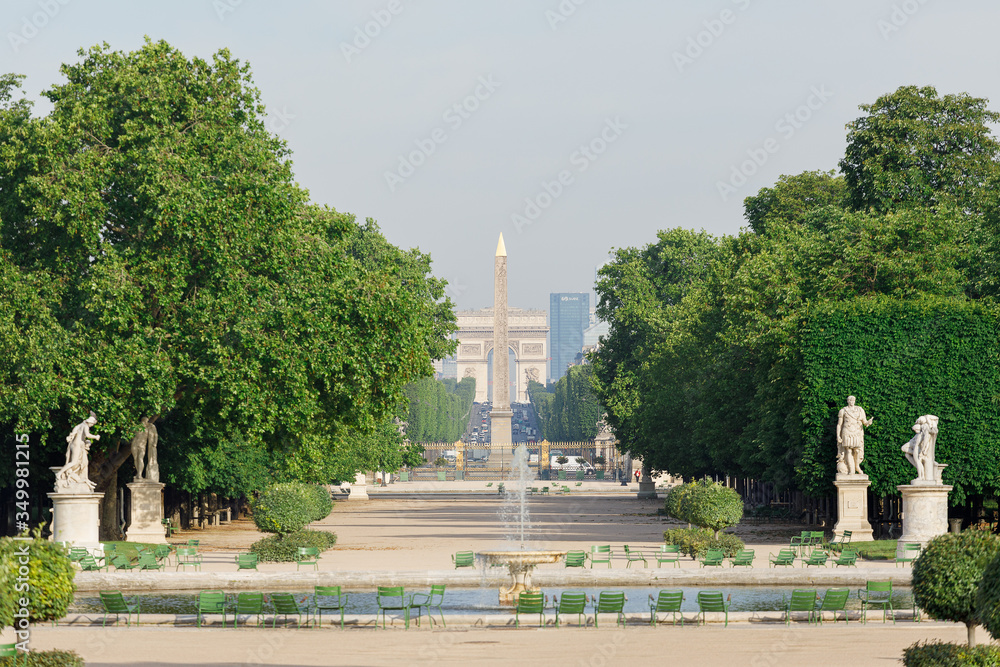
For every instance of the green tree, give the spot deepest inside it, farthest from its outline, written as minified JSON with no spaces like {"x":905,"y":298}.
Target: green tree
{"x":792,"y":198}
{"x":946,"y":576}
{"x":915,"y":147}
{"x":179,"y":273}
{"x":988,"y":599}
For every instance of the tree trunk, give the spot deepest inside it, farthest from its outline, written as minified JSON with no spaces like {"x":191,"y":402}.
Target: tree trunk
{"x":103,"y":473}
{"x":971,"y":627}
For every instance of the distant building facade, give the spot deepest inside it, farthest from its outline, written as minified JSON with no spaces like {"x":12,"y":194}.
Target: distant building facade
{"x":526,"y":339}
{"x":569,"y":316}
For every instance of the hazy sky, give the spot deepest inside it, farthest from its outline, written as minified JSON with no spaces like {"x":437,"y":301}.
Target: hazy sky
{"x":572,"y":127}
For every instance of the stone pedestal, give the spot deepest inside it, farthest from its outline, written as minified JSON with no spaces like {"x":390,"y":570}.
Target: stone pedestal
{"x":359,"y":490}
{"x":925,"y":512}
{"x":76,"y":518}
{"x":500,"y":426}
{"x":647,"y":487}
{"x":852,"y":507}
{"x":147,"y":513}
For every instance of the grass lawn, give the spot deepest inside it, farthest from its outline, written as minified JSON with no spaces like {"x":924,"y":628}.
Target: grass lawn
{"x":877,"y":550}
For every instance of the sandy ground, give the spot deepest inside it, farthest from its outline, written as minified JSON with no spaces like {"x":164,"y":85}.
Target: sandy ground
{"x":394,"y":532}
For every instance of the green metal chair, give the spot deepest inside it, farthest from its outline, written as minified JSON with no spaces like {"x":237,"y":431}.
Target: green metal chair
{"x":668,"y":553}
{"x":162,"y":552}
{"x":114,"y":603}
{"x":123,"y":562}
{"x":910,"y":552}
{"x":328,"y":598}
{"x":601,"y":554}
{"x":610,"y":602}
{"x":432,"y":600}
{"x":818,"y":557}
{"x":841,"y":542}
{"x":249,"y":604}
{"x":713,"y":558}
{"x":10,"y":651}
{"x":712,"y":602}
{"x":834,"y":600}
{"x":307,"y":556}
{"x":571,"y":603}
{"x":463,"y":559}
{"x":147,"y":561}
{"x":284,"y":604}
{"x":529,"y":603}
{"x":785,"y":557}
{"x":800,"y":542}
{"x":633,"y":556}
{"x":847,"y":558}
{"x":246,"y":561}
{"x":576,"y":559}
{"x":188,"y":556}
{"x":89,"y":564}
{"x":667,"y":601}
{"x":801,"y":601}
{"x":743,"y":558}
{"x":877,"y":595}
{"x":76,"y":554}
{"x":211,"y":602}
{"x":392,"y":598}
{"x":193,"y":542}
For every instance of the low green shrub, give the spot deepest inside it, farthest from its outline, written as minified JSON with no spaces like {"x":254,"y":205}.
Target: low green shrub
{"x":712,"y":505}
{"x":52,"y":658}
{"x":941,"y":654}
{"x":50,"y":579}
{"x":284,"y":548}
{"x":675,"y":505}
{"x":283,"y":508}
{"x":988,"y":599}
{"x":696,"y":542}
{"x":321,"y":503}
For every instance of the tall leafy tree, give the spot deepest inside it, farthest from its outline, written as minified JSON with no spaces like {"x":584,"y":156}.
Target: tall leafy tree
{"x":181,"y":275}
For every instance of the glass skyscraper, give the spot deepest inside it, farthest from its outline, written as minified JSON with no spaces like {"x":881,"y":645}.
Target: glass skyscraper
{"x":569,"y":315}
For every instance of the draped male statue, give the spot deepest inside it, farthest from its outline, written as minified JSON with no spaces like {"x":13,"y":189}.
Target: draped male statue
{"x":75,"y":473}
{"x":851,"y":423}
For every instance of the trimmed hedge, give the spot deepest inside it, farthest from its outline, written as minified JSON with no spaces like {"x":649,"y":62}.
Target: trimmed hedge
{"x":942,"y":654}
{"x":988,"y":599}
{"x":50,"y":578}
{"x":284,"y":548}
{"x":290,"y":506}
{"x":705,"y":503}
{"x":697,"y":541}
{"x":54,"y":658}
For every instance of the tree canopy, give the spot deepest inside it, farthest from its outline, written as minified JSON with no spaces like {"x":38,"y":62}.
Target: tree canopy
{"x":705,"y":368}
{"x":162,"y":262}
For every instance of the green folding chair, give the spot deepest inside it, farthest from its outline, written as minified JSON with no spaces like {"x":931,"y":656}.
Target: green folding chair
{"x":529,"y":603}
{"x":877,"y":595}
{"x":571,"y":603}
{"x":328,"y":598}
{"x":834,"y":600}
{"x":801,"y":601}
{"x":610,"y":602}
{"x":432,"y":600}
{"x":211,"y":602}
{"x":115,"y":603}
{"x":249,"y":604}
{"x":600,"y":554}
{"x":668,"y":553}
{"x":666,"y":602}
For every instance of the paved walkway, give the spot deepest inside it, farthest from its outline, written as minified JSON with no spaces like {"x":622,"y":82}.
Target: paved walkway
{"x":405,"y":532}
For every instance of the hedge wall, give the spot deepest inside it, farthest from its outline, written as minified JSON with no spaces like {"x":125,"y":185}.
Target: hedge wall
{"x":903,"y":359}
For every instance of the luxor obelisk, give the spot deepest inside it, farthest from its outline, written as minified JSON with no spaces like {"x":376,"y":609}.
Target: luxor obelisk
{"x":501,"y":414}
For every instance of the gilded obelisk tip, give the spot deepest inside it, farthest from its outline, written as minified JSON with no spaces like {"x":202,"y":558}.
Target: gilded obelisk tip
{"x":501,"y":249}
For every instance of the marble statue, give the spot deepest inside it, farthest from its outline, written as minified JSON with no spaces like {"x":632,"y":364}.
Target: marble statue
{"x":851,"y":423}
{"x":919,"y":450}
{"x":74,"y":475}
{"x":143,"y":447}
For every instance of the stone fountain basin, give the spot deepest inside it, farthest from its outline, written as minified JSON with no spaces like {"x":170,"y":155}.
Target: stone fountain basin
{"x":521,"y":557}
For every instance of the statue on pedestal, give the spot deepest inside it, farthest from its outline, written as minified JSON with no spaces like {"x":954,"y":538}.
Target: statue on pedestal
{"x":74,"y":475}
{"x":919,"y":450}
{"x":145,"y":441}
{"x":851,"y":423}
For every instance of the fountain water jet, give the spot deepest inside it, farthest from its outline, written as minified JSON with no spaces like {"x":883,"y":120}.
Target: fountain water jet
{"x":520,"y":561}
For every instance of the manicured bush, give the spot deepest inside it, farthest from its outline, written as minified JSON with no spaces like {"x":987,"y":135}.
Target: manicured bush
{"x":697,"y":541}
{"x":283,"y":508}
{"x":941,"y":654}
{"x":50,"y":579}
{"x":947,"y":573}
{"x":988,"y":599}
{"x":712,"y":505}
{"x":52,"y":658}
{"x":675,"y":504}
{"x":284,"y":548}
{"x":321,"y":504}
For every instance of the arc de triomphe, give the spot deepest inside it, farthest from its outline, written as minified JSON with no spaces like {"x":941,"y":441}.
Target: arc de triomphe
{"x":527,"y":336}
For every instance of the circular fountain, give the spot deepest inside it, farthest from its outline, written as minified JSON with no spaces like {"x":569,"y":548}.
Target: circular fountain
{"x":519,"y":561}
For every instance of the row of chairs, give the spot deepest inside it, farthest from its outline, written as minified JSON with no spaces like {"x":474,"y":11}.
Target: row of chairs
{"x":613,"y":602}
{"x":817,"y":557}
{"x":325,"y":600}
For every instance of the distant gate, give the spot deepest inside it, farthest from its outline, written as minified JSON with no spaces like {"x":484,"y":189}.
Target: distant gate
{"x":492,"y":462}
